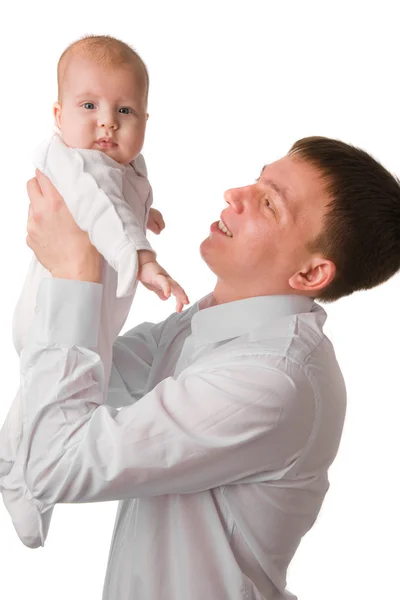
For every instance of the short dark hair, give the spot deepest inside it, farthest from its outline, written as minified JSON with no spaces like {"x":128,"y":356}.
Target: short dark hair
{"x":361,"y":232}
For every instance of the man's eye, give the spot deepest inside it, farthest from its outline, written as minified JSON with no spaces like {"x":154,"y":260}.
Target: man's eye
{"x":125,"y":110}
{"x":88,"y":105}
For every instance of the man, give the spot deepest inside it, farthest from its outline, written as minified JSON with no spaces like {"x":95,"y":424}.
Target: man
{"x":232,"y":411}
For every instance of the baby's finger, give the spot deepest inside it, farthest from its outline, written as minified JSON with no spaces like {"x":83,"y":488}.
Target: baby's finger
{"x":161,"y":294}
{"x":165,"y":285}
{"x":153,"y":226}
{"x":159,"y":219}
{"x":180,"y":295}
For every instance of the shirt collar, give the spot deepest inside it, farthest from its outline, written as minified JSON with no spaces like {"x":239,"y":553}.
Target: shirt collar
{"x":216,"y":323}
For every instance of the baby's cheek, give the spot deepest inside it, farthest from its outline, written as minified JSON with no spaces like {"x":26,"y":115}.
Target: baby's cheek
{"x":75,"y":133}
{"x":137,"y":140}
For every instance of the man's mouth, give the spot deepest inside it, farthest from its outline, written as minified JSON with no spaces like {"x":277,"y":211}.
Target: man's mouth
{"x":224,"y":228}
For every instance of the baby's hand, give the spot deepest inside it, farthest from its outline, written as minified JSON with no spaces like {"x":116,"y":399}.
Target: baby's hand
{"x":155,"y":221}
{"x":156,"y":279}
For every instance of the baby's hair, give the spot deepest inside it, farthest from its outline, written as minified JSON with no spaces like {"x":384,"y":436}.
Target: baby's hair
{"x":105,"y":50}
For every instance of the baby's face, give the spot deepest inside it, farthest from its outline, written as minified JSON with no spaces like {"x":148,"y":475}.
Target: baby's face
{"x":102,"y":109}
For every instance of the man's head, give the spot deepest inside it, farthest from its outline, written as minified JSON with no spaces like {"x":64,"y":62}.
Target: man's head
{"x":102,"y":97}
{"x":324,"y":221}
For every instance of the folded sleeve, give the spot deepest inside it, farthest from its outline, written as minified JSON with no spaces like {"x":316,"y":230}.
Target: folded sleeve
{"x":208,"y":427}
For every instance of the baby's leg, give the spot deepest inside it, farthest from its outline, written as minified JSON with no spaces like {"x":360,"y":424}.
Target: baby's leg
{"x":10,"y":436}
{"x":30,"y":523}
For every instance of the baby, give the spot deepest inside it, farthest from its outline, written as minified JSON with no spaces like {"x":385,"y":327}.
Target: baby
{"x":95,"y":163}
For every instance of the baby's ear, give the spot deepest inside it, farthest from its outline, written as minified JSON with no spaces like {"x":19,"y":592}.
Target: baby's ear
{"x":57,"y":113}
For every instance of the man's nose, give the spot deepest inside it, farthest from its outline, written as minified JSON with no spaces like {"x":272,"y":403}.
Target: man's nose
{"x":237,"y":197}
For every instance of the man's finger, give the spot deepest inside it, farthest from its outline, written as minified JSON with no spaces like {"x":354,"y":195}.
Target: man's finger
{"x":41,"y":179}
{"x":44,"y":183}
{"x":34,"y":191}
{"x":49,"y":191}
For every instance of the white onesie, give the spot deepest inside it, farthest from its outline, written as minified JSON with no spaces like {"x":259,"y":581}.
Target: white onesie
{"x":111,"y":202}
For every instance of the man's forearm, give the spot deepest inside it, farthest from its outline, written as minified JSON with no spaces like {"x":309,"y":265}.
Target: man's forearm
{"x":88,"y":269}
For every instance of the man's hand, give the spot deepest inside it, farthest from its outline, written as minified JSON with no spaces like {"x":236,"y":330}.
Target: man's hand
{"x":57,"y":241}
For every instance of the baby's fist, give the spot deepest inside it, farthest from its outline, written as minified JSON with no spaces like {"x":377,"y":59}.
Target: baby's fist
{"x":155,"y":221}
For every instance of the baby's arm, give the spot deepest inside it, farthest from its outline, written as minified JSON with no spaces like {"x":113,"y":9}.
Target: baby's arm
{"x":153,"y":219}
{"x":151,"y":274}
{"x":156,"y":279}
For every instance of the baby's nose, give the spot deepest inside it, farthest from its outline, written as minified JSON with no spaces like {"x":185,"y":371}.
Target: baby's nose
{"x":107,"y":120}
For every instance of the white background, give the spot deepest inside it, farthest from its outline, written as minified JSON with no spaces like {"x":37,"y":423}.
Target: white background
{"x":233,"y":85}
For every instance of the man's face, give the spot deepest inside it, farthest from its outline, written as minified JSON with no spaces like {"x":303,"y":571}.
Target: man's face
{"x":269,"y":225}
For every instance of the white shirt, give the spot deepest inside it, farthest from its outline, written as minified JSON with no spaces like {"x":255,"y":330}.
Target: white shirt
{"x":231,"y":416}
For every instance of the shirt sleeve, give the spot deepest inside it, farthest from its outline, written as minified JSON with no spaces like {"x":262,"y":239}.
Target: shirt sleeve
{"x":211,"y":427}
{"x":133,"y":356}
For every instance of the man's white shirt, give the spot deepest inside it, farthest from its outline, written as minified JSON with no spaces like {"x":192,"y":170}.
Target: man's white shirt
{"x":216,"y":436}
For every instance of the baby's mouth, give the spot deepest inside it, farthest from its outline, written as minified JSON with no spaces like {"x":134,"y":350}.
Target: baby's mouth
{"x":105,"y":142}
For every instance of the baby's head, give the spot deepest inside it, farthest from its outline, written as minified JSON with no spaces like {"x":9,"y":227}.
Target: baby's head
{"x":102,"y":97}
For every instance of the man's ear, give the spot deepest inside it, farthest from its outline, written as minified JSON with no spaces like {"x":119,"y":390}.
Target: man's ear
{"x":315,"y":275}
{"x":57,"y":114}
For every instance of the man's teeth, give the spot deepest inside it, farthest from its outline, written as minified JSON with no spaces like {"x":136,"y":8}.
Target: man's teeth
{"x":224,"y":229}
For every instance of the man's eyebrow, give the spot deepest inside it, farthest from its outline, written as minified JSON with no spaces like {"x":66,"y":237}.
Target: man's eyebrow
{"x":280,"y":191}
{"x":262,"y":171}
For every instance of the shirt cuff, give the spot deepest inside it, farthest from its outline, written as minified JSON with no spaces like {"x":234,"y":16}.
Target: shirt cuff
{"x":67,"y":313}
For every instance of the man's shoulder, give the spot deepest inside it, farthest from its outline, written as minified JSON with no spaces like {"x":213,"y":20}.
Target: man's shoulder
{"x":295,"y":337}
{"x":292,"y":344}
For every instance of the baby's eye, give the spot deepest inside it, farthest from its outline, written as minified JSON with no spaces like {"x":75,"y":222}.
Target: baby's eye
{"x":125,"y":110}
{"x":88,"y":105}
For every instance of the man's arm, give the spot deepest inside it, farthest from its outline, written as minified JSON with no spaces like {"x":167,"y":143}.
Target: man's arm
{"x":133,"y":356}
{"x":199,"y":431}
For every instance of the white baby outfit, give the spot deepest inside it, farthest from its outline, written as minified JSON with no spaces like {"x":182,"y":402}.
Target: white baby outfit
{"x":111,"y":202}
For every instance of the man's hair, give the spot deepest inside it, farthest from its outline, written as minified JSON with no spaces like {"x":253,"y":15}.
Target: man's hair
{"x":105,"y":50}
{"x":361,"y":231}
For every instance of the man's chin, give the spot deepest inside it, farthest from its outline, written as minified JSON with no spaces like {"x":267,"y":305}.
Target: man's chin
{"x":204,"y":250}
{"x":207,"y":256}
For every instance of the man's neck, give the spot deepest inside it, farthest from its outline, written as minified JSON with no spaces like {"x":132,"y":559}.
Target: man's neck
{"x":224,"y":292}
